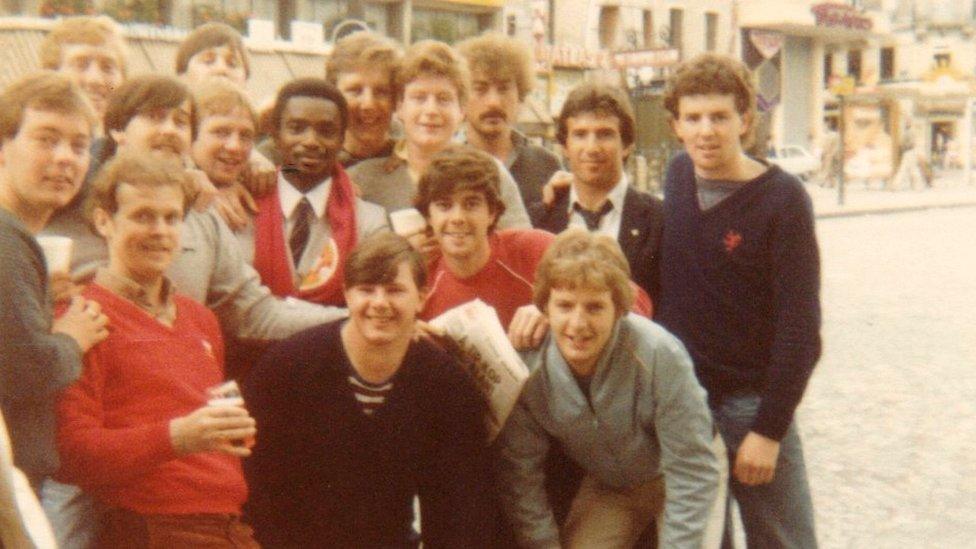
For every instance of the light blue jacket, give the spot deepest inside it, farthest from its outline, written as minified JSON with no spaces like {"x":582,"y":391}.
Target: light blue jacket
{"x":646,"y":416}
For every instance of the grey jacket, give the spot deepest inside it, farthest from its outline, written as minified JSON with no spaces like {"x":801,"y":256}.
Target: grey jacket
{"x":387,"y":182}
{"x":646,"y":416}
{"x":35,"y":365}
{"x":211,"y":270}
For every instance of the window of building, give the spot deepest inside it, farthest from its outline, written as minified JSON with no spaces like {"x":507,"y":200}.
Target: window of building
{"x":609,"y":19}
{"x":649,"y":39}
{"x":510,"y":27}
{"x":828,"y":68}
{"x":446,"y":26}
{"x":886,"y":63}
{"x":675,"y":32}
{"x":943,"y":60}
{"x":854,"y":64}
{"x":711,"y":28}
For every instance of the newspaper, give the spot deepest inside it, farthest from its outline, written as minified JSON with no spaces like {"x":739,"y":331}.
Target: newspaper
{"x":486,"y":354}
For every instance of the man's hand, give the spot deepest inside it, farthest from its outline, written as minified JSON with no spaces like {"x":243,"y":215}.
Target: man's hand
{"x":424,"y":243}
{"x":427,"y":330}
{"x":755,"y":462}
{"x":527,"y":328}
{"x":260,"y":176}
{"x":212,"y":429}
{"x":62,"y":288}
{"x":206,"y":192}
{"x":235,"y":204}
{"x":558,"y":181}
{"x":84,"y":322}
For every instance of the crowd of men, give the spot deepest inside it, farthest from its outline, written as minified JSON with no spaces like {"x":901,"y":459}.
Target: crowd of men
{"x":299,"y":251}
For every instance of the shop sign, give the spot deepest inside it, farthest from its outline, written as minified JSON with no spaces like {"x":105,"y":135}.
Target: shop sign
{"x":840,"y":15}
{"x":580,"y":58}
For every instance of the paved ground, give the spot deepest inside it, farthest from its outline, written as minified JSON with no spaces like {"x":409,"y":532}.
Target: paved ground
{"x":949,"y":188}
{"x":889,"y":419}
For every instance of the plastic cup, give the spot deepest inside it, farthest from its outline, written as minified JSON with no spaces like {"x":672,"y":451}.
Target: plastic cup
{"x":229,"y":394}
{"x":57,"y":253}
{"x":407,"y":221}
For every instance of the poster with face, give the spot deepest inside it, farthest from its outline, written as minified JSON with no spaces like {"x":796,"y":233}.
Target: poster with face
{"x":869,"y":150}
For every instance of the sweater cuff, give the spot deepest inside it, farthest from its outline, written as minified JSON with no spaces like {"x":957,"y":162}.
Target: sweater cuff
{"x":772,"y":423}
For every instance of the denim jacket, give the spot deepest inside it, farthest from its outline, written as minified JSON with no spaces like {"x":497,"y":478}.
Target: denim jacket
{"x":646,"y":416}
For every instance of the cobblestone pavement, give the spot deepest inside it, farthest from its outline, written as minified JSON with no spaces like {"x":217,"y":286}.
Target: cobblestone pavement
{"x":889,"y":418}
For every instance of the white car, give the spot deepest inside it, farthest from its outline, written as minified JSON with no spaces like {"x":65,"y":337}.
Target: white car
{"x":797,"y":161}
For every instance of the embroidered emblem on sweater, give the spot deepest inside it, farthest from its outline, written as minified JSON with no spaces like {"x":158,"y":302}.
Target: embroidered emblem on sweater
{"x":732,"y":240}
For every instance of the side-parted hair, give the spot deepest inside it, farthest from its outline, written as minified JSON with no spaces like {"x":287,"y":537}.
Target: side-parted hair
{"x":363,"y":50}
{"x":578,"y":259}
{"x":500,"y":57}
{"x":220,"y":97}
{"x":433,"y":58}
{"x":306,"y":87}
{"x":377,"y":258}
{"x":138,"y":170}
{"x":211,"y":35}
{"x":142,"y":94}
{"x":46,"y":91}
{"x":460,"y":168}
{"x":711,"y":73}
{"x":598,"y":99}
{"x":93,"y":31}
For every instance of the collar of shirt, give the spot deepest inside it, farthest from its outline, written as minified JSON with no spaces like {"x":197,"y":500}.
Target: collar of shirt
{"x":133,"y":291}
{"x":289,"y":197}
{"x":615,"y":196}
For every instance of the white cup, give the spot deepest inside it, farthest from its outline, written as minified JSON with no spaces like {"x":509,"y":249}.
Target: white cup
{"x":407,"y":221}
{"x":57,"y":253}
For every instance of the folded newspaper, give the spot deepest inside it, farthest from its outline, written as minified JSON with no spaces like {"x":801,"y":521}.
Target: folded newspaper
{"x":487,"y":356}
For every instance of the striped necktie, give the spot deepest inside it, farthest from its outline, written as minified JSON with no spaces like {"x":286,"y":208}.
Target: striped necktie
{"x":304,"y":214}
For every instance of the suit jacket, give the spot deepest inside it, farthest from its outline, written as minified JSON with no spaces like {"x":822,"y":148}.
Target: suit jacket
{"x":639,"y":237}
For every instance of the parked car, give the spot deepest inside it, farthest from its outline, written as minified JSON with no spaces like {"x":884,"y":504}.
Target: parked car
{"x":796,"y":160}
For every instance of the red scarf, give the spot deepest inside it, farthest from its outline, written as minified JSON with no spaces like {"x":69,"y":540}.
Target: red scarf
{"x":323,"y":284}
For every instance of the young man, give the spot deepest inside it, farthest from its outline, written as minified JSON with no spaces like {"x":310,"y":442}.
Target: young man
{"x":213,"y":50}
{"x":91,"y":51}
{"x":431,"y":85}
{"x":740,"y":280}
{"x":502,"y":75}
{"x":618,"y":394}
{"x":596,"y":130}
{"x":356,"y":418}
{"x":362,"y":66}
{"x":136,"y":431}
{"x":458,"y":195}
{"x":45,"y":127}
{"x":303,"y":231}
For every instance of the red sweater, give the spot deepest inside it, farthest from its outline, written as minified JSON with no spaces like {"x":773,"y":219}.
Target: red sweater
{"x":505,"y":282}
{"x":113,"y":423}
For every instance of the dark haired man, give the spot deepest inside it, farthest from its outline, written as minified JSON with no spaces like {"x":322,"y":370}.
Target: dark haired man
{"x":357,"y":418}
{"x":741,"y":288}
{"x":596,"y":129}
{"x":304,"y":230}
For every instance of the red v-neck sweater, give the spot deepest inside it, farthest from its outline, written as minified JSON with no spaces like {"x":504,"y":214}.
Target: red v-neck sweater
{"x":113,"y":423}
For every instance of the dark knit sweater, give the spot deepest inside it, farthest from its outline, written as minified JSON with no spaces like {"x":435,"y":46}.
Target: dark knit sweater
{"x":741,"y":288}
{"x":324,"y":474}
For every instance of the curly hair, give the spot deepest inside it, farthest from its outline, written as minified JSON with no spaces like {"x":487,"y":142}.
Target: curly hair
{"x":711,"y":73}
{"x":430,"y":57}
{"x":499,"y":57}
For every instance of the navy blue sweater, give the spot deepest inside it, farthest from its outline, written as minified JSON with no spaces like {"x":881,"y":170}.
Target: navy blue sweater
{"x":740,"y":286}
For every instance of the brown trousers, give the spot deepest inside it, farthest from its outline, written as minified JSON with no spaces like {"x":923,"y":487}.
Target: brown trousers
{"x":123,"y":529}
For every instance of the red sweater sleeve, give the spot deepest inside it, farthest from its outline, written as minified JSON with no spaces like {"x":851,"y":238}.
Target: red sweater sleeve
{"x":92,"y":454}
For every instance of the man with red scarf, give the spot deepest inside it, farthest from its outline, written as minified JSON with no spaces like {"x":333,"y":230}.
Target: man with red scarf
{"x":303,"y":232}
